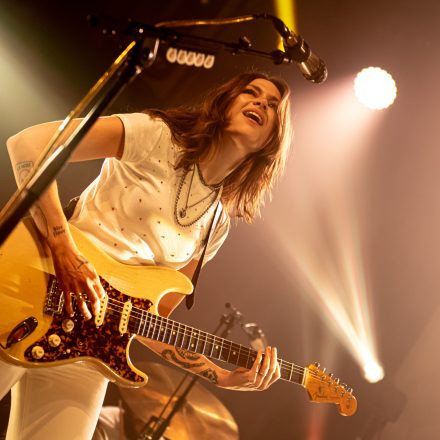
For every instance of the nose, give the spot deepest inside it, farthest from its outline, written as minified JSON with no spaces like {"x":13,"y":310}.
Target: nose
{"x":261,"y":102}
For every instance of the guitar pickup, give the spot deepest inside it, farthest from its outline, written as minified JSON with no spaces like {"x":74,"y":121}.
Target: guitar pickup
{"x":99,"y":317}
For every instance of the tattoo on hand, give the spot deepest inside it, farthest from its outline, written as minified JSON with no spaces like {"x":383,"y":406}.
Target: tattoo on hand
{"x":83,"y":261}
{"x":185,"y":354}
{"x":169,"y":355}
{"x":210,"y":374}
{"x":58,"y":230}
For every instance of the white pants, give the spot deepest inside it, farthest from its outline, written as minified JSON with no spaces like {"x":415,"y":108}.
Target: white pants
{"x":52,"y":403}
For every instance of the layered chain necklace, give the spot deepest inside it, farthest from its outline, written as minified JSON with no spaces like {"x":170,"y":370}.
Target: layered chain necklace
{"x":181,"y":209}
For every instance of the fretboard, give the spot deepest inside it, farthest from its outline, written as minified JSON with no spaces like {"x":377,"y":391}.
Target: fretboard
{"x":173,"y":333}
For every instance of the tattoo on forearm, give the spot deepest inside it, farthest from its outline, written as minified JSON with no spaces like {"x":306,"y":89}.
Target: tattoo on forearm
{"x":169,"y":355}
{"x":40,"y":220}
{"x":210,"y":374}
{"x":185,"y":354}
{"x":58,"y":230}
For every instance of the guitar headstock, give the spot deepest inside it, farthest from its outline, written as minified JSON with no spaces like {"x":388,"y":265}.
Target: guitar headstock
{"x":323,"y":388}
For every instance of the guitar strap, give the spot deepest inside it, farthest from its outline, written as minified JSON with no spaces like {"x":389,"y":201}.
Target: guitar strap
{"x":190,"y":298}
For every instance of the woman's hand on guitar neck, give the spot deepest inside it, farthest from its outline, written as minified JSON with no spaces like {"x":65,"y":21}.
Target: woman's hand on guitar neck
{"x":77,"y":278}
{"x":260,"y":377}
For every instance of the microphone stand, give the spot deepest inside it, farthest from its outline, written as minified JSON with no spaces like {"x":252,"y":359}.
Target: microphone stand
{"x":131,"y":62}
{"x":156,"y":426}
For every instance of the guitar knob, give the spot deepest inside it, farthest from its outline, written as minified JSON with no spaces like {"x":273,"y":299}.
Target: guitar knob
{"x":54,"y":340}
{"x":337,"y":380}
{"x":350,"y":390}
{"x":37,"y":352}
{"x":67,"y":325}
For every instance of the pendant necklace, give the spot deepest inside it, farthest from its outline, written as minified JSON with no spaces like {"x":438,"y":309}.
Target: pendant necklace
{"x":181,"y":213}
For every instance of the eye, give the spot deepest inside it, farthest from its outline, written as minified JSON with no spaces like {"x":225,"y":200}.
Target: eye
{"x":273,"y":105}
{"x":250,"y":92}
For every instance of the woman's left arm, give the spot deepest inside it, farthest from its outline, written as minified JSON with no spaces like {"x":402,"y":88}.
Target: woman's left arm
{"x":262,"y":374}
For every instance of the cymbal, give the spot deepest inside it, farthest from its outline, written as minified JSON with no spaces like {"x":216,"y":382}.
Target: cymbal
{"x":202,"y":416}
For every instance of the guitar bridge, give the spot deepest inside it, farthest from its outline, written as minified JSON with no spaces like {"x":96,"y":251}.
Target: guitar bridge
{"x":54,"y":298}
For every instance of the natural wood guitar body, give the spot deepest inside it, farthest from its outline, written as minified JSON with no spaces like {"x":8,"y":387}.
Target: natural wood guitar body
{"x":26,"y":272}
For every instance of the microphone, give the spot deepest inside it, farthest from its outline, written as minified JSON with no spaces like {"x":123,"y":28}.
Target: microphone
{"x":310,"y":65}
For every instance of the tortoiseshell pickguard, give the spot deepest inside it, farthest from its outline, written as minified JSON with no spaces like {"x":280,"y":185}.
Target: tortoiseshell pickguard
{"x":104,"y":343}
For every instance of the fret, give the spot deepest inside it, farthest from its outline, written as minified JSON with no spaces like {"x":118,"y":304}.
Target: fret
{"x":156,"y":332}
{"x":172,"y":335}
{"x":158,"y":329}
{"x":201,"y":342}
{"x":195,"y":340}
{"x":190,"y":337}
{"x":204,"y":341}
{"x":140,"y":323}
{"x":225,"y":350}
{"x":234,"y":354}
{"x":166,"y":332}
{"x":216,"y":348}
{"x":291,"y":371}
{"x":251,"y":358}
{"x":179,"y":338}
{"x":146,"y":320}
{"x":150,"y":329}
{"x":209,"y":345}
{"x":162,"y":329}
{"x":186,"y":337}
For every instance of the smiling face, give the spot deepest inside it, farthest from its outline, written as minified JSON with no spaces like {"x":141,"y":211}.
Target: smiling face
{"x":252,"y":115}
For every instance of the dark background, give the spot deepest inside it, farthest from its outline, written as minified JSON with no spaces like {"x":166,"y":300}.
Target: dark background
{"x":49,"y":59}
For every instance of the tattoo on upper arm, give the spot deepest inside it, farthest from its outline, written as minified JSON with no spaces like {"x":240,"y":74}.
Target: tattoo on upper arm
{"x":23,"y":169}
{"x":58,"y":230}
{"x":169,"y":355}
{"x":210,"y":374}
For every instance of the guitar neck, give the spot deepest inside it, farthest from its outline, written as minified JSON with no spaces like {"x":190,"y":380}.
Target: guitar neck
{"x":173,"y":333}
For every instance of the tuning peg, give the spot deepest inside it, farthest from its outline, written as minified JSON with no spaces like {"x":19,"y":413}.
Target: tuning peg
{"x":331,"y":375}
{"x":350,"y":390}
{"x":337,"y":380}
{"x":317,"y":364}
{"x":323,"y":370}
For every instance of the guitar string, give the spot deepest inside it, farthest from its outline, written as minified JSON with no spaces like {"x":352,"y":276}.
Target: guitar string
{"x":285,"y":365}
{"x":281,"y":361}
{"x":210,"y":338}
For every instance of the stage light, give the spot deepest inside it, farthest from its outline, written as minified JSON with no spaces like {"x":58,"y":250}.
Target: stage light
{"x":375,"y":88}
{"x":373,"y":372}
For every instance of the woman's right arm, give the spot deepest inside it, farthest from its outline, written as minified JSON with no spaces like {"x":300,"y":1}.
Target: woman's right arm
{"x":75,"y":274}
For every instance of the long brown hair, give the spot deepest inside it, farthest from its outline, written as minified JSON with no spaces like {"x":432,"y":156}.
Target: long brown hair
{"x":198,"y":129}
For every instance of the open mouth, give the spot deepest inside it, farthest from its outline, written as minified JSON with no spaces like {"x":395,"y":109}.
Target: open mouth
{"x":254,"y":116}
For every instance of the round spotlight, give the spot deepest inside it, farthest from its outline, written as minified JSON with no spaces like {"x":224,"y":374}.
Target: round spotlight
{"x":375,"y":88}
{"x":373,"y":372}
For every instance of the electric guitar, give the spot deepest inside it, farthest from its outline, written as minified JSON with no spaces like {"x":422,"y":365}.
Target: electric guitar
{"x":36,"y":332}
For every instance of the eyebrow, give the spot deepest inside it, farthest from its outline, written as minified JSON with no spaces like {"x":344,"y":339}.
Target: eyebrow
{"x":260,"y":90}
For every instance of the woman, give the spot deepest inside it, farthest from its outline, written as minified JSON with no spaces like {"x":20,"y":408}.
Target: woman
{"x":163,"y":174}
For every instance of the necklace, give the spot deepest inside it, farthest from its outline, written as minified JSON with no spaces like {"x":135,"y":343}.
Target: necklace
{"x":214,"y":194}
